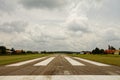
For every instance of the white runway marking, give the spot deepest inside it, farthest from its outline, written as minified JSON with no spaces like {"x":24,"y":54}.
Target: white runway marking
{"x":25,"y":62}
{"x":74,"y":62}
{"x":60,"y":77}
{"x":45,"y":62}
{"x":92,"y":62}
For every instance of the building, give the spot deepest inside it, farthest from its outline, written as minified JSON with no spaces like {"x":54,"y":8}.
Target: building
{"x":8,"y":51}
{"x":112,"y":52}
{"x":117,"y":52}
{"x":18,"y":51}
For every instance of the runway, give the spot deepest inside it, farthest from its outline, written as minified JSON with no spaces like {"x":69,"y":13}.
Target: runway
{"x":57,"y":66}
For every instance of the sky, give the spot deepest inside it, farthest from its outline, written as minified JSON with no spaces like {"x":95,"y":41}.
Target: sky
{"x":59,"y":25}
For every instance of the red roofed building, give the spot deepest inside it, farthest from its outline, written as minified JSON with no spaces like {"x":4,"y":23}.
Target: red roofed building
{"x":18,"y":51}
{"x":110,"y":51}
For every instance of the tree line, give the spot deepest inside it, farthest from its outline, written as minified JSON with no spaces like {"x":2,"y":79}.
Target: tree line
{"x":12,"y":51}
{"x":110,"y":50}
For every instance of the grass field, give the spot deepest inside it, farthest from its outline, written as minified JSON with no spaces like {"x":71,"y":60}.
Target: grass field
{"x":17,"y":58}
{"x":108,"y":59}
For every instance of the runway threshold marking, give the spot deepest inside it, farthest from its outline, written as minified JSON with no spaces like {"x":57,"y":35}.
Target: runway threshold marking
{"x":92,"y":62}
{"x":45,"y":62}
{"x":25,"y":62}
{"x":74,"y":62}
{"x":62,"y":77}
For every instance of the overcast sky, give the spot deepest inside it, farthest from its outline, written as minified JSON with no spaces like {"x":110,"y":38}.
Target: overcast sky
{"x":69,"y":25}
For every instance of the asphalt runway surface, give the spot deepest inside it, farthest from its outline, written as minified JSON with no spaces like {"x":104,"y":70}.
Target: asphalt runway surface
{"x":59,"y":67}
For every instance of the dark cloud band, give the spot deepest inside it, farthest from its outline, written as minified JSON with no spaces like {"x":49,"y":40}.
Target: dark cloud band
{"x":49,"y":4}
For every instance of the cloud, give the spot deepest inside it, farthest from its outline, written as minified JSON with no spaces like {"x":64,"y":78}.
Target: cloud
{"x":111,"y":34}
{"x":77,"y":26}
{"x":42,"y":37}
{"x":11,"y":27}
{"x":6,"y":6}
{"x":45,"y":4}
{"x":105,"y":12}
{"x":59,"y":24}
{"x":1,"y":43}
{"x":46,"y":33}
{"x":77,"y":21}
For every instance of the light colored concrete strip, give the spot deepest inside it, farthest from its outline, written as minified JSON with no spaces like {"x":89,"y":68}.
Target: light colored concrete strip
{"x":45,"y":62}
{"x":25,"y":62}
{"x":92,"y":62}
{"x":66,"y":72}
{"x":62,"y":77}
{"x":74,"y":62}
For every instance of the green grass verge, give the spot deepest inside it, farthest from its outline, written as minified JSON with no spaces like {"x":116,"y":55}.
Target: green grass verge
{"x":8,"y":59}
{"x":108,"y":59}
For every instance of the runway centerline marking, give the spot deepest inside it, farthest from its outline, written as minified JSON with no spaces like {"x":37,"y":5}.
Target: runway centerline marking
{"x":74,"y":62}
{"x":45,"y":62}
{"x":25,"y":62}
{"x":92,"y":62}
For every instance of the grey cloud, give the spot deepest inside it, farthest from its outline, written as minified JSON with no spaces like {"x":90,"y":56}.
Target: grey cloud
{"x":10,"y":27}
{"x":49,"y":4}
{"x":1,"y":43}
{"x":46,"y":34}
{"x":75,"y":27}
{"x":112,"y":35}
{"x":49,"y":46}
{"x":108,"y":11}
{"x":70,"y":27}
{"x":46,"y":37}
{"x":6,"y":6}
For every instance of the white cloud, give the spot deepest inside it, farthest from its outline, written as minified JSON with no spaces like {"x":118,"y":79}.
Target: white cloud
{"x":16,"y":26}
{"x":59,"y":24}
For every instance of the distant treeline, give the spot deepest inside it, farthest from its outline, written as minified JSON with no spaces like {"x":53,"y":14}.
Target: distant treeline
{"x":62,"y":52}
{"x":12,"y":51}
{"x":110,"y":50}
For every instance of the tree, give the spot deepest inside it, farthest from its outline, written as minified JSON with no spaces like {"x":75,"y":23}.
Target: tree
{"x":102,"y":51}
{"x":112,"y":48}
{"x":22,"y":51}
{"x":2,"y":50}
{"x":95,"y":51}
{"x":119,"y":51}
{"x":29,"y":52}
{"x":109,"y":47}
{"x":98,"y":51}
{"x":43,"y":52}
{"x":13,"y":51}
